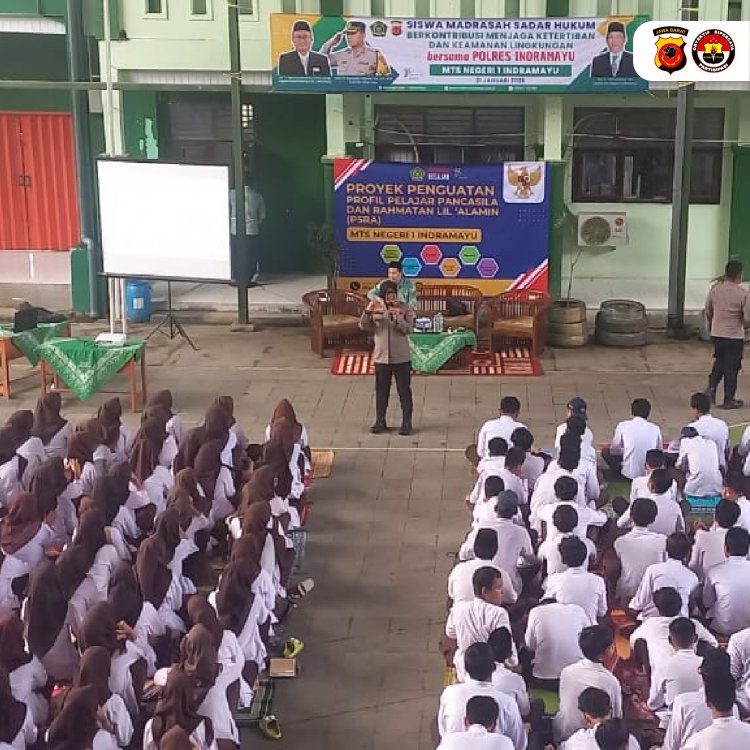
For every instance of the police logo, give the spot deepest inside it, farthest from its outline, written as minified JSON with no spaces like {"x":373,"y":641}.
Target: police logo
{"x":670,"y":48}
{"x":713,"y":51}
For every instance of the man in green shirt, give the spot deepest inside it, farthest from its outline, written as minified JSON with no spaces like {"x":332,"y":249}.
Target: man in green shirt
{"x":407,"y":292}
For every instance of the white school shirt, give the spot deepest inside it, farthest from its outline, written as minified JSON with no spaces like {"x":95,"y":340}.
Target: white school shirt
{"x":726,"y":593}
{"x":57,"y":447}
{"x":738,"y":649}
{"x":586,"y":517}
{"x":119,"y":719}
{"x":474,"y":622}
{"x":700,"y":461}
{"x":637,"y":550}
{"x":689,"y":715}
{"x":461,"y":586}
{"x":533,"y":468}
{"x":549,"y":550}
{"x":744,"y":520}
{"x":512,"y":684}
{"x":197,"y":737}
{"x":574,"y":679}
{"x":221,"y":507}
{"x":746,"y":466}
{"x":578,"y":586}
{"x":168,"y":452}
{"x":502,"y":426}
{"x":552,"y":634}
{"x":708,"y":550}
{"x":586,"y":476}
{"x":476,"y":737}
{"x":125,"y":523}
{"x":655,"y":633}
{"x":678,"y":674}
{"x":586,"y":439}
{"x":633,"y":438}
{"x":544,"y":491}
{"x":174,"y":427}
{"x":25,"y":681}
{"x":669,"y":573}
{"x":513,"y":542}
{"x":716,"y":430}
{"x":491,"y":466}
{"x":226,"y":453}
{"x":723,"y":733}
{"x":585,"y":739}
{"x":452,"y":710}
{"x":743,"y":447}
{"x":669,"y":518}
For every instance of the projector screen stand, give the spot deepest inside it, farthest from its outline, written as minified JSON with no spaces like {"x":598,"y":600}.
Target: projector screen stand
{"x":172,"y":324}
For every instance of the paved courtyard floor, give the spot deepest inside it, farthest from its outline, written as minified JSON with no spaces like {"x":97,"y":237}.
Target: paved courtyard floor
{"x":384,"y":522}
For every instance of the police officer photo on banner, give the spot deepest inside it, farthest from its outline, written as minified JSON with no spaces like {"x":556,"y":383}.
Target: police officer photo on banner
{"x":358,"y":58}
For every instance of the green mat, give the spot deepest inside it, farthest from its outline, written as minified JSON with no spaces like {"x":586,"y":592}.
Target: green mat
{"x":551,"y":700}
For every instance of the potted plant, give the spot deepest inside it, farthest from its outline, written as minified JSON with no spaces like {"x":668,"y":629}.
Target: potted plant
{"x":322,"y":240}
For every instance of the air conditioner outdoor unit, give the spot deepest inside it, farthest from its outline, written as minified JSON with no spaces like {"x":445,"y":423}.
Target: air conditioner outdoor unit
{"x":602,"y":229}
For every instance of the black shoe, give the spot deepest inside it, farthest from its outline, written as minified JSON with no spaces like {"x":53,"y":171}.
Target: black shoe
{"x":405,"y":429}
{"x":711,"y":393}
{"x":733,"y":403}
{"x":378,"y":428}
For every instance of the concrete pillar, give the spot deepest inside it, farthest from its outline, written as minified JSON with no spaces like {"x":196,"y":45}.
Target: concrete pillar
{"x":583,"y":8}
{"x":533,"y":8}
{"x":490,"y":8}
{"x":335,"y":125}
{"x":113,"y":134}
{"x":553,"y":128}
{"x":357,"y":7}
{"x":445,"y":8}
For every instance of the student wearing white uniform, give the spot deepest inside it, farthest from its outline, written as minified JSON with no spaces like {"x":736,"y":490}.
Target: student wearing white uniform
{"x":673,"y":572}
{"x":552,"y":636}
{"x":700,"y":462}
{"x":533,"y":465}
{"x":491,"y":465}
{"x":708,"y":548}
{"x":512,"y":475}
{"x":215,"y":479}
{"x":51,"y":428}
{"x":577,"y":407}
{"x":669,"y":516}
{"x":738,"y":650}
{"x":474,"y":621}
{"x":566,"y":494}
{"x":513,"y":541}
{"x":478,"y":733}
{"x":502,"y":426}
{"x":650,"y":640}
{"x":726,"y":592}
{"x":564,"y":524}
{"x":460,"y":580}
{"x":638,"y":549}
{"x":509,"y":682}
{"x":545,"y":492}
{"x":734,"y":491}
{"x":639,"y":486}
{"x":632,"y":440}
{"x":726,"y":731}
{"x":482,"y":505}
{"x":454,"y":698}
{"x":679,"y":673}
{"x":17,"y":728}
{"x":163,"y":400}
{"x":596,"y":707}
{"x":597,"y":645}
{"x":710,"y":427}
{"x":576,"y":585}
{"x":16,"y":474}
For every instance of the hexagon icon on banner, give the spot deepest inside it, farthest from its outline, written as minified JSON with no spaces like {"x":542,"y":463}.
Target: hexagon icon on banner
{"x":391,"y":253}
{"x":469,"y":255}
{"x":450,"y":268}
{"x":431,"y":255}
{"x":487,"y":268}
{"x":411,"y":266}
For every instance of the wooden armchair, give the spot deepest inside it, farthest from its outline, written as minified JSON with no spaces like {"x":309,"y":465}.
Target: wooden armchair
{"x":518,"y":315}
{"x":434,"y":298}
{"x":334,"y":318}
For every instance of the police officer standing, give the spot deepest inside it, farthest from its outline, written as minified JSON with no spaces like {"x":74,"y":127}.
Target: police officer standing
{"x":358,"y":58}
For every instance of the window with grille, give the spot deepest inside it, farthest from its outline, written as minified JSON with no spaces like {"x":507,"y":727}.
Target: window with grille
{"x":449,"y":135}
{"x":627,"y":155}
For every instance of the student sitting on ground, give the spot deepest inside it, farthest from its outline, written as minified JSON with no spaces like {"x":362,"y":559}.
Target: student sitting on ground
{"x":502,"y":426}
{"x":638,"y":549}
{"x":490,"y":465}
{"x":708,"y":548}
{"x":482,"y":714}
{"x":512,"y":475}
{"x":501,"y":643}
{"x":632,"y":440}
{"x":679,"y":673}
{"x":545,"y":492}
{"x":596,"y":707}
{"x":483,"y":508}
{"x":650,"y":640}
{"x":710,"y":427}
{"x":460,"y":580}
{"x":566,"y":491}
{"x":734,"y":491}
{"x":726,"y":592}
{"x":700,"y":462}
{"x":564,"y":524}
{"x":472,"y":622}
{"x":668,"y":512}
{"x":533,"y":465}
{"x":576,"y":585}
{"x":597,"y":646}
{"x":577,"y":407}
{"x":672,"y":572}
{"x":639,"y":486}
{"x":480,"y":666}
{"x":586,"y":472}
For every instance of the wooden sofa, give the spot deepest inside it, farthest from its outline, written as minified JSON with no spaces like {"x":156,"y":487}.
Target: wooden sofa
{"x":434,"y":298}
{"x":334,"y":318}
{"x":518,"y":316}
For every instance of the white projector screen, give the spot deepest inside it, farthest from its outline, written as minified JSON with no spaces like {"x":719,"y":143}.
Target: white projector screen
{"x":166,"y":221}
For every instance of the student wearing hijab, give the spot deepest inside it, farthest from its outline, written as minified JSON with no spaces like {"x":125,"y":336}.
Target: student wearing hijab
{"x":249,"y":550}
{"x":176,"y":739}
{"x":163,"y":399}
{"x":215,"y":480}
{"x":16,"y":474}
{"x":24,"y":538}
{"x":186,"y":480}
{"x":260,"y":488}
{"x":28,"y":678}
{"x":282,"y":434}
{"x":111,"y":494}
{"x":237,"y":438}
{"x":51,"y":488}
{"x":151,"y":449}
{"x":15,"y":432}
{"x":50,"y":427}
{"x":76,"y":726}
{"x":215,"y":426}
{"x":285,"y":410}
{"x":17,"y":728}
{"x":47,"y":625}
{"x":94,"y":670}
{"x":115,"y":435}
{"x":177,"y":707}
{"x":277,"y":558}
{"x":80,"y":462}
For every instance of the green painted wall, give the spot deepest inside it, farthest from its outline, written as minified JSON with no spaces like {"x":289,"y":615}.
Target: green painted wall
{"x":739,"y":222}
{"x":33,"y":56}
{"x":290,"y":175}
{"x":140,"y":124}
{"x":51,"y":8}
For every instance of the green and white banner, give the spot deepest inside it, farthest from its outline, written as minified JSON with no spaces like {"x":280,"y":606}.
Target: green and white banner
{"x":326,"y":53}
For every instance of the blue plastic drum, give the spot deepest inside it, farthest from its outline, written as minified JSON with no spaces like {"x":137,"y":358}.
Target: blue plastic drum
{"x":138,"y":299}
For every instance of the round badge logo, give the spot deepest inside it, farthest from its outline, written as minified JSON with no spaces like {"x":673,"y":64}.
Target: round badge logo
{"x":713,"y":50}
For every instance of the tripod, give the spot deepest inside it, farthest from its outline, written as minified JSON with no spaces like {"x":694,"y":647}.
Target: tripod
{"x":170,"y":319}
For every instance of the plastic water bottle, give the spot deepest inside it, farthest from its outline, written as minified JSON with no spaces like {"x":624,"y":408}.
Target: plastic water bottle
{"x":437,"y":323}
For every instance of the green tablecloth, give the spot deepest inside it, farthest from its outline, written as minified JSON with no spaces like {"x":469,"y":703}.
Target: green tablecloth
{"x":28,"y":342}
{"x":85,"y":366}
{"x":430,"y":351}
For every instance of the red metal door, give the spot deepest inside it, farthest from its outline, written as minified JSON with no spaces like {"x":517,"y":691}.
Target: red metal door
{"x":38,"y":192}
{"x":14,"y":227}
